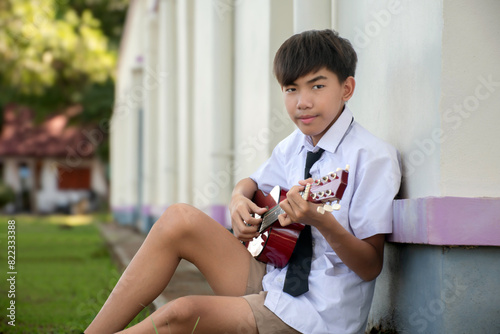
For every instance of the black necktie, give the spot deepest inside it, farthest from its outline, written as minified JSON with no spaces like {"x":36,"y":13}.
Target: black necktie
{"x":299,"y":266}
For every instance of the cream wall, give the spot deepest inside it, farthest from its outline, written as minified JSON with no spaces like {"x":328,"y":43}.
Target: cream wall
{"x":470,"y":99}
{"x":213,"y":110}
{"x":421,"y":86}
{"x":399,"y":80}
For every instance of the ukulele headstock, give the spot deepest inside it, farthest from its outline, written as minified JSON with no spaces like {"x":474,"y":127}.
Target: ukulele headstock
{"x":328,"y":190}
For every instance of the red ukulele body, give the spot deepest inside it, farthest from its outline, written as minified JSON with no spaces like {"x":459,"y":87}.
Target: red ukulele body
{"x":275,"y":244}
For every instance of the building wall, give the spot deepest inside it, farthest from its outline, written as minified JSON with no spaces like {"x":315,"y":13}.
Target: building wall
{"x":428,"y":83}
{"x":470,"y":99}
{"x":200,"y":74}
{"x":399,"y":80}
{"x":212,"y":111}
{"x":45,"y":195}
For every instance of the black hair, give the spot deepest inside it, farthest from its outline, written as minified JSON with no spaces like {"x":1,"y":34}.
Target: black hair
{"x":311,"y":51}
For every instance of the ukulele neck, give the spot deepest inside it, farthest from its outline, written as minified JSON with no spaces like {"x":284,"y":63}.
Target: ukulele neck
{"x":272,"y":215}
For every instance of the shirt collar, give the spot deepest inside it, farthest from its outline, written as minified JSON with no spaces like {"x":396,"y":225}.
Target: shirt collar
{"x":332,"y":138}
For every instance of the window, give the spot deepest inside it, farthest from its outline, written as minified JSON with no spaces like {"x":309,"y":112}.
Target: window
{"x":73,"y":178}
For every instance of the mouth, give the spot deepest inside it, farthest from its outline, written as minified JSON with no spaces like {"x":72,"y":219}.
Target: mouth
{"x":306,"y":119}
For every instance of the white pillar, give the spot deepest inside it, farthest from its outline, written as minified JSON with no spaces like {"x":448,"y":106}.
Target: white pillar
{"x":150,"y":112}
{"x":260,"y":118}
{"x":252,"y":81}
{"x":167,"y":113}
{"x":281,"y":28}
{"x":185,"y":96}
{"x":212,"y":108}
{"x":311,"y":14}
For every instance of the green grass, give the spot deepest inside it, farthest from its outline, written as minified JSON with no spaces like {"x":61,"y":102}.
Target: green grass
{"x":64,"y":274}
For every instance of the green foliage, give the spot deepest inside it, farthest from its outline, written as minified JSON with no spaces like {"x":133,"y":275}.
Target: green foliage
{"x":6,"y":194}
{"x":59,"y":53}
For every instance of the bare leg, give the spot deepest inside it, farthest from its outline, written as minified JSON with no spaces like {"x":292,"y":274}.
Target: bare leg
{"x":210,"y":314}
{"x":182,"y":232}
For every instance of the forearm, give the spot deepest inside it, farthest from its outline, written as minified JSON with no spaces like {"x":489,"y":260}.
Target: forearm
{"x":364,"y":257}
{"x":246,"y":187}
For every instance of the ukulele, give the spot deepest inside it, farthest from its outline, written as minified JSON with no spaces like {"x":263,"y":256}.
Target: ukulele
{"x":275,"y":243}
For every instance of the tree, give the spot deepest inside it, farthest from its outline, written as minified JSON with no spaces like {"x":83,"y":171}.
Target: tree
{"x":56,"y":54}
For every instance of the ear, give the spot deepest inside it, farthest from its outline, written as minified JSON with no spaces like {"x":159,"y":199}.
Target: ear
{"x":349,"y":85}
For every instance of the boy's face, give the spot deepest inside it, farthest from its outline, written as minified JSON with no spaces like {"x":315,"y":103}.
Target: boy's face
{"x":315,"y":101}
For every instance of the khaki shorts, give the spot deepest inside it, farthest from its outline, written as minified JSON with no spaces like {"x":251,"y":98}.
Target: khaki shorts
{"x":267,"y":321}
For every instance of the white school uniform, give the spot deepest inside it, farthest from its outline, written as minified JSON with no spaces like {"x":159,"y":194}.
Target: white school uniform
{"x":338,"y":300}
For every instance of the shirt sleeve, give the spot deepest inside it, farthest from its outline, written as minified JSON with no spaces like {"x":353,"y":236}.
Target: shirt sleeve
{"x":377,"y":181}
{"x":272,"y":172}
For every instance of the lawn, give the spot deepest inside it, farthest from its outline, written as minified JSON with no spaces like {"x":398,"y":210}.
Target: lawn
{"x":64,"y":274}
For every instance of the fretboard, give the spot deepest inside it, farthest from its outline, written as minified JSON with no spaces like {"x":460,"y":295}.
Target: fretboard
{"x":270,"y":217}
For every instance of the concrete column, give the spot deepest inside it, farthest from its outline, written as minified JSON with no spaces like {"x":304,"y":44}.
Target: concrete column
{"x":311,"y":14}
{"x":252,"y":86}
{"x":260,"y":118}
{"x":212,"y":108}
{"x":334,"y":14}
{"x":136,"y":128}
{"x":185,"y":81}
{"x":281,"y":28}
{"x":150,"y":131}
{"x":167,"y":113}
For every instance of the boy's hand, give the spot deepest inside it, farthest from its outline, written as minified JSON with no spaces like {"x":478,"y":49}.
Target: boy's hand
{"x":245,"y":227}
{"x":297,"y":209}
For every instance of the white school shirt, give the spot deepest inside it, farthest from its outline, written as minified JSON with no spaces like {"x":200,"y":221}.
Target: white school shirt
{"x":338,"y":300}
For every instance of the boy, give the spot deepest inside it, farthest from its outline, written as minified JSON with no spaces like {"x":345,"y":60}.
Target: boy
{"x":316,"y":72}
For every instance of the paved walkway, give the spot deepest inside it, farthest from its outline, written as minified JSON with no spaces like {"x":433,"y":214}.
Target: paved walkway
{"x":124,"y":242}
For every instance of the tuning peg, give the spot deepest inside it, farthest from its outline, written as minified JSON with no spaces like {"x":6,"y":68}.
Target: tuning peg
{"x":347,"y":168}
{"x":336,"y":206}
{"x":332,"y":175}
{"x":328,"y":208}
{"x":320,"y":209}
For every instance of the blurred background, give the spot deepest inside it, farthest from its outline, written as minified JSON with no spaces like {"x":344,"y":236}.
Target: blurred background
{"x":112,"y":110}
{"x":57,"y":77}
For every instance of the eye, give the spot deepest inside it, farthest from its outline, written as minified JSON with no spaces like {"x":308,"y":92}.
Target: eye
{"x":289,"y":90}
{"x":318,"y":86}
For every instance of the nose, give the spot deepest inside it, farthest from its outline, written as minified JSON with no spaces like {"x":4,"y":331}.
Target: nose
{"x":304,"y":101}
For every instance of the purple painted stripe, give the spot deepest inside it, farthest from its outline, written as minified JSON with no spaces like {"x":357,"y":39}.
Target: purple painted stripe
{"x":220,"y":213}
{"x":447,"y":221}
{"x":157,"y":211}
{"x":123,"y":208}
{"x":146,"y":210}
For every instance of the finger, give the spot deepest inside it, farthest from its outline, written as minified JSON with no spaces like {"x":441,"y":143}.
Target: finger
{"x":251,"y":221}
{"x":248,"y":233}
{"x":244,"y":215}
{"x":295,"y":197}
{"x":284,"y":220}
{"x":242,"y":229}
{"x":285,"y":205}
{"x":258,"y":210}
{"x":307,"y":181}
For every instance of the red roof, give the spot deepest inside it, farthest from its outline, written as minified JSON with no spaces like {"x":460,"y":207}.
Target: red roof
{"x":21,"y":136}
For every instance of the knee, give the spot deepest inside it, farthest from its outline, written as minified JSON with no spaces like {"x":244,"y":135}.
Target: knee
{"x":181,"y":313}
{"x":174,"y":219}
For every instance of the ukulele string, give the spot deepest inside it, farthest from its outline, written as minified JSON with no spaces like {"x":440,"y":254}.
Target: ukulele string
{"x":271,"y":216}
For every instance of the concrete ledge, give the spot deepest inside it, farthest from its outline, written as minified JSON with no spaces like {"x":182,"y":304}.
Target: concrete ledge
{"x":437,"y":289}
{"x":447,"y":221}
